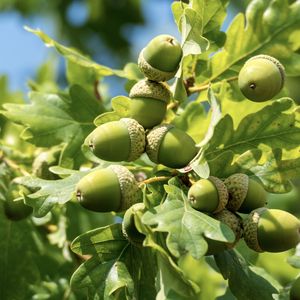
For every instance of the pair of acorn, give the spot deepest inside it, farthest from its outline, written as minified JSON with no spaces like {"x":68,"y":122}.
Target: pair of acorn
{"x":126,"y":139}
{"x":271,"y":230}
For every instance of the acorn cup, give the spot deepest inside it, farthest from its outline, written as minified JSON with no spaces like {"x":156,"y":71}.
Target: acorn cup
{"x":160,"y":59}
{"x":271,"y":230}
{"x":234,"y":222}
{"x":295,"y":290}
{"x":149,"y":101}
{"x":122,"y":140}
{"x":261,"y":78}
{"x":208,"y":195}
{"x":111,"y":189}
{"x":245,"y":194}
{"x":170,"y":146}
{"x":128,"y":225}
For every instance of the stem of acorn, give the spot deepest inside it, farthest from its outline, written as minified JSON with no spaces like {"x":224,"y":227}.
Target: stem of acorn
{"x":200,"y":88}
{"x":155,"y":179}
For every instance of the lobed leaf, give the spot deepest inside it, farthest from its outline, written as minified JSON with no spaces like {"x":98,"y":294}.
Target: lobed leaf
{"x":185,"y":226}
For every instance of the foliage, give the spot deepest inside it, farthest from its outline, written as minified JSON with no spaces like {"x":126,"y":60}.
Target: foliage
{"x":232,"y":134}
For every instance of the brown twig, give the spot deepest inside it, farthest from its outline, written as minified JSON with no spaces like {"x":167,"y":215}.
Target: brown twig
{"x":156,"y":179}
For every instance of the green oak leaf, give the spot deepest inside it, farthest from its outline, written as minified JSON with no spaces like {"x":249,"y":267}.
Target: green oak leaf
{"x":294,"y":260}
{"x":244,"y":38}
{"x":274,"y":125}
{"x":49,"y":193}
{"x":75,"y":57}
{"x":115,"y":270}
{"x":244,"y":283}
{"x":185,"y":226}
{"x":53,"y":119}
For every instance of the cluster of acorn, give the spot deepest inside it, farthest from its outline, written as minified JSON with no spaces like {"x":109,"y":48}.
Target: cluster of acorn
{"x":263,"y":229}
{"x":128,"y":138}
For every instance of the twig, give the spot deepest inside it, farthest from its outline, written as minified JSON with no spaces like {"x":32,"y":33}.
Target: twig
{"x":200,"y":88}
{"x":156,"y":179}
{"x":14,"y":165}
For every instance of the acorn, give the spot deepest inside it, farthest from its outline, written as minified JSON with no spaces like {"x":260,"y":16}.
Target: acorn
{"x":122,"y":140}
{"x":42,"y":163}
{"x":128,"y":225}
{"x":261,"y":78}
{"x":170,"y":146}
{"x":149,"y":102}
{"x":295,"y":290}
{"x":160,"y":59}
{"x":14,"y":207}
{"x":245,"y":194}
{"x":208,"y":195}
{"x":111,"y":189}
{"x":271,"y":230}
{"x":234,"y":222}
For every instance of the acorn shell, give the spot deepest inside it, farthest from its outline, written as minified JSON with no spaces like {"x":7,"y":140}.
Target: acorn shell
{"x":148,"y":103}
{"x":261,"y":78}
{"x":128,"y":225}
{"x":208,"y":195}
{"x":170,"y":146}
{"x":271,"y":230}
{"x":122,"y":140}
{"x":245,"y":194}
{"x":110,"y":189}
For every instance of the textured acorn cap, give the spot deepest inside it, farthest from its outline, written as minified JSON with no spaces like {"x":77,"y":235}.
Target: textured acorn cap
{"x":250,"y":225}
{"x":237,"y":186}
{"x":137,"y":138}
{"x":130,"y":191}
{"x":222,"y":193}
{"x":150,"y":89}
{"x":128,"y":225}
{"x":280,"y":67}
{"x":233,"y":221}
{"x":154,"y":138}
{"x":151,"y":72}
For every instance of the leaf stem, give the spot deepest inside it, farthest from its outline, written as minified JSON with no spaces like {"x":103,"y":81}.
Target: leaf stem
{"x":200,"y":88}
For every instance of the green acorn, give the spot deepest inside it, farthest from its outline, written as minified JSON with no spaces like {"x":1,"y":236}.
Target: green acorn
{"x":14,"y":207}
{"x":149,"y":102}
{"x":128,"y":225}
{"x":111,"y":189}
{"x":208,"y":195}
{"x":234,"y":222}
{"x":261,"y":78}
{"x":43,"y":162}
{"x":170,"y":146}
{"x":271,"y":230}
{"x":295,"y":290}
{"x":245,"y":194}
{"x":160,"y":59}
{"x":122,"y":140}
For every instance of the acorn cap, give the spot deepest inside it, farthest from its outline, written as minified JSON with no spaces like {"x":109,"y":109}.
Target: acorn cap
{"x":280,"y":67}
{"x":137,"y":138}
{"x":154,"y":138}
{"x":237,"y":186}
{"x":130,"y":192}
{"x":222,"y":192}
{"x":150,"y":89}
{"x":250,"y":225}
{"x":233,"y":221}
{"x":151,"y":72}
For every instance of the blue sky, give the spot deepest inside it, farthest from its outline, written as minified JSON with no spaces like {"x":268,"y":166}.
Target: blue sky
{"x":22,"y":52}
